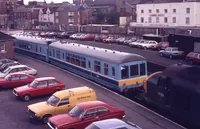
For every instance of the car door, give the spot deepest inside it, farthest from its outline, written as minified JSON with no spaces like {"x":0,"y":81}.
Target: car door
{"x":52,"y":86}
{"x":103,"y":113}
{"x":24,"y":79}
{"x":63,"y":106}
{"x":167,"y":51}
{"x":14,"y":81}
{"x":40,"y":89}
{"x":87,"y":118}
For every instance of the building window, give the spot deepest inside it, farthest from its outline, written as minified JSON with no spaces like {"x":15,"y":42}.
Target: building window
{"x":142,"y":11}
{"x":188,"y":10}
{"x":157,"y":10}
{"x":165,"y":19}
{"x":174,"y":19}
{"x":2,"y":47}
{"x":187,"y":20}
{"x":70,"y":13}
{"x":97,"y":66}
{"x":113,"y":71}
{"x":105,"y":69}
{"x":149,"y":10}
{"x":165,"y":10}
{"x":122,"y":10}
{"x":142,"y":19}
{"x":57,"y":20}
{"x":157,"y":19}
{"x":56,"y":13}
{"x":149,"y":19}
{"x":174,"y":10}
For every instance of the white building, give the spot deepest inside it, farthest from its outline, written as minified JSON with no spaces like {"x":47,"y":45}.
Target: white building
{"x":168,"y":14}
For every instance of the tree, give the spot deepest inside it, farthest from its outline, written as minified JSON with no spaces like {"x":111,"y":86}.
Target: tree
{"x":100,"y":16}
{"x":112,"y":17}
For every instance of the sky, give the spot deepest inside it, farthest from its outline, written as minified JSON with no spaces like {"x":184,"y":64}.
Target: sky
{"x":48,"y":1}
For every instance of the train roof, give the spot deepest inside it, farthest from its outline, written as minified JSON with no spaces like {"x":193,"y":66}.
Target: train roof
{"x":185,"y":76}
{"x":33,"y":39}
{"x":111,"y":56}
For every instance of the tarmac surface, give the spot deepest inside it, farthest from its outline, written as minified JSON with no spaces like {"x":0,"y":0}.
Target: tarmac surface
{"x":13,"y":111}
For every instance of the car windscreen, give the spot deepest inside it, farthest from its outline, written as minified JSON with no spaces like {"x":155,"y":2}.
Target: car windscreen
{"x":33,"y":83}
{"x":6,"y":70}
{"x":53,"y":100}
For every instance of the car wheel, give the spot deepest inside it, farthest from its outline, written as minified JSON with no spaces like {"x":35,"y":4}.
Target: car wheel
{"x":45,"y":118}
{"x":161,"y":54}
{"x":26,"y":97}
{"x":171,"y":57}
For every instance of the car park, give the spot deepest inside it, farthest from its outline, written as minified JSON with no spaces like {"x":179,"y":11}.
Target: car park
{"x":13,"y":80}
{"x":172,"y":52}
{"x":84,"y":114}
{"x":6,"y":65}
{"x":19,"y":68}
{"x":38,"y":87}
{"x":193,"y":57}
{"x":61,"y":102}
{"x":112,"y":124}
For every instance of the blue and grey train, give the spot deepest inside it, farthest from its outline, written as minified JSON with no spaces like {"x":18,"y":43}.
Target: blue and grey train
{"x":114,"y":69}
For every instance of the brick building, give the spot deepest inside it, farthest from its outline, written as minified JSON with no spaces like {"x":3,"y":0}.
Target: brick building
{"x":6,"y":46}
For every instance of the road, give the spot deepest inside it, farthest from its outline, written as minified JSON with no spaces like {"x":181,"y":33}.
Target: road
{"x":13,"y":111}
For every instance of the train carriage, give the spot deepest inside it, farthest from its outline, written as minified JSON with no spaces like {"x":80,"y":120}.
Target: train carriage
{"x":33,"y":46}
{"x":114,"y":69}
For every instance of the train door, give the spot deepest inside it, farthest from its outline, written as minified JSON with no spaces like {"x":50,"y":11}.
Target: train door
{"x":162,"y":90}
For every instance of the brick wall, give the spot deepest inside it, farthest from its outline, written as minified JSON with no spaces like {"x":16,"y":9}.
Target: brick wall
{"x":9,"y":47}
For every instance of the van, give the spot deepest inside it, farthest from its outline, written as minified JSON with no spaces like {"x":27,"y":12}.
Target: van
{"x":61,"y":102}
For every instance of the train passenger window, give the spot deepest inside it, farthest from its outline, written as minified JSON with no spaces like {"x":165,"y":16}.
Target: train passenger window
{"x":58,"y":54}
{"x":63,"y":55}
{"x":134,"y":70}
{"x":53,"y":53}
{"x":36,"y":48}
{"x":40,"y":49}
{"x":49,"y":52}
{"x":97,"y":66}
{"x":83,"y":63}
{"x":142,"y":69}
{"x":89,"y":64}
{"x":68,"y":58}
{"x":77,"y":62}
{"x":113,"y":71}
{"x":124,"y":72}
{"x":105,"y":69}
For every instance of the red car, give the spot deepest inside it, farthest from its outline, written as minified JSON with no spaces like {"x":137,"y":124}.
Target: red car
{"x":162,"y":45}
{"x":13,"y":80}
{"x":193,"y":57}
{"x":84,"y":114}
{"x":89,"y":37}
{"x":39,"y":87}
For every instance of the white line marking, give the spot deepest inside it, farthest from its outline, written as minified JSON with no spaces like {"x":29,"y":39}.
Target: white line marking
{"x":108,"y":91}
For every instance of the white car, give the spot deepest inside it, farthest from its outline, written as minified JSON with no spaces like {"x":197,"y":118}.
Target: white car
{"x":148,"y":44}
{"x":19,"y":69}
{"x":136,"y":43}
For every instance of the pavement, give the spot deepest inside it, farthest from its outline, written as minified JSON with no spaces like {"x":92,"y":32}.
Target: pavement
{"x":13,"y":111}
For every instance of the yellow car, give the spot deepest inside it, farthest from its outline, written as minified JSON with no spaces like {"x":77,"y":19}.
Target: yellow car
{"x":61,"y":102}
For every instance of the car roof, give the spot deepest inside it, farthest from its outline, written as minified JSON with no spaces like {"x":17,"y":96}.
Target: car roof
{"x":91,"y":104}
{"x":18,"y":66}
{"x":112,"y":124}
{"x":44,"y":78}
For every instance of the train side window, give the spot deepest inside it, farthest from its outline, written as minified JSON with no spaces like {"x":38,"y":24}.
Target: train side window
{"x":105,"y":69}
{"x":83,"y":62}
{"x":97,"y":66}
{"x":134,"y":70}
{"x":68,"y":57}
{"x":36,"y":48}
{"x":58,"y":54}
{"x":89,"y":64}
{"x":50,"y":52}
{"x":53,"y":53}
{"x":78,"y":62}
{"x":113,"y":71}
{"x":142,"y":69}
{"x":63,"y":55}
{"x":40,"y":49}
{"x":124,"y":72}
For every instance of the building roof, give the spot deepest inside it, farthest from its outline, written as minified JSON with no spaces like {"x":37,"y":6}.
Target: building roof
{"x":68,"y":7}
{"x":4,"y":36}
{"x":158,"y":1}
{"x":115,"y":57}
{"x":104,"y":2}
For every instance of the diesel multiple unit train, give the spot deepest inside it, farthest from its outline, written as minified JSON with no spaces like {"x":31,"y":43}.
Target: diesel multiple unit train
{"x":174,"y":89}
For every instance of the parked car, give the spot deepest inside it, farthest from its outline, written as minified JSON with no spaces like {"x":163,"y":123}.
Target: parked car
{"x":6,"y":65}
{"x":3,"y":61}
{"x":127,"y":41}
{"x":84,"y":114}
{"x":65,"y":34}
{"x":13,"y":80}
{"x":112,"y":124}
{"x":193,"y":57}
{"x":136,"y":43}
{"x":108,"y":40}
{"x":61,"y":102}
{"x":172,"y":52}
{"x":147,"y":45}
{"x":162,"y":45}
{"x":120,"y":40}
{"x":53,"y":35}
{"x":39,"y":87}
{"x":19,"y":68}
